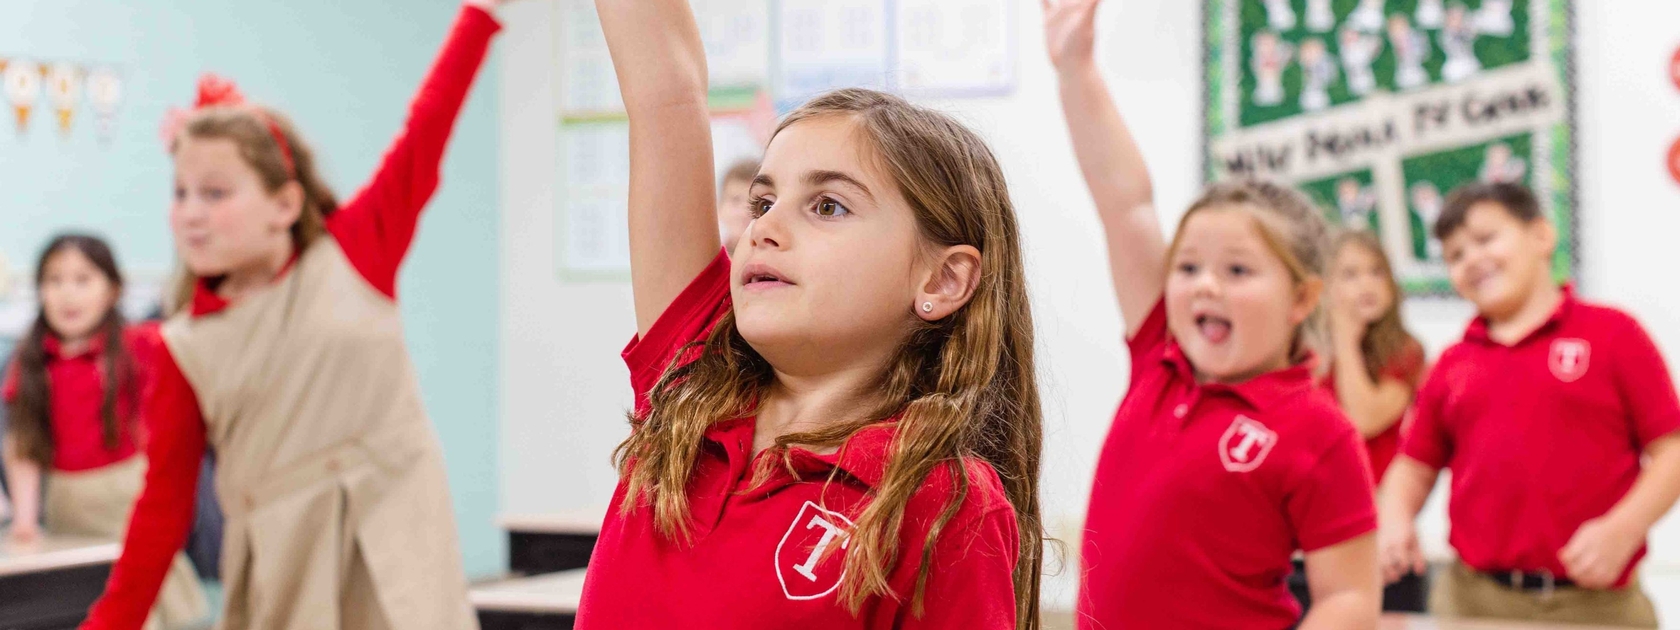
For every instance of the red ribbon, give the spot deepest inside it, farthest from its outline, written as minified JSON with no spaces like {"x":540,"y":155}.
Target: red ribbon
{"x":215,"y":91}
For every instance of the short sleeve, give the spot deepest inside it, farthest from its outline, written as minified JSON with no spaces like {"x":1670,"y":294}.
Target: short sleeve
{"x":1429,"y":439}
{"x":1151,"y":339}
{"x":689,"y":318}
{"x":972,"y":584}
{"x":1330,"y":502}
{"x":1645,"y":384}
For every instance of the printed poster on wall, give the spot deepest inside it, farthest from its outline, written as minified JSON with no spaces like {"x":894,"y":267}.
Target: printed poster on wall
{"x":954,"y":47}
{"x":1377,"y":109}
{"x":826,"y":44}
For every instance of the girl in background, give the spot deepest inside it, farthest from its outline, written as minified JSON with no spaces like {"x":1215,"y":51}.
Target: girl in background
{"x":1221,"y":415}
{"x":73,"y":399}
{"x":286,"y":354}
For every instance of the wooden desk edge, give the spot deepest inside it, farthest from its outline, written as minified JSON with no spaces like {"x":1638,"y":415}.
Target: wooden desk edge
{"x":61,"y":559}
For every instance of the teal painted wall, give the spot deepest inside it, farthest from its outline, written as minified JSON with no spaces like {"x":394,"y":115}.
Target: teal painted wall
{"x":345,"y":72}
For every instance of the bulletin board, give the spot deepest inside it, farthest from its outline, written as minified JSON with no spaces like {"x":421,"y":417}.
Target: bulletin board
{"x":1379,"y":108}
{"x":764,"y":58}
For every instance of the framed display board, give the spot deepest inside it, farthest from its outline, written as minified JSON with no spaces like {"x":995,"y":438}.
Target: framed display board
{"x":1379,"y":108}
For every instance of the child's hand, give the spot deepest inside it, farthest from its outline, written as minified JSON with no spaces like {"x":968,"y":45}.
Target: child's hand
{"x":24,"y":534}
{"x":1069,"y":31}
{"x":1345,"y":325}
{"x":1599,"y":550}
{"x":1398,"y":551}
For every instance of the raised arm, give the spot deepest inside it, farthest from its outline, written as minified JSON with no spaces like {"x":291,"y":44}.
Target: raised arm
{"x":1109,"y":158}
{"x":661,"y":64}
{"x":377,"y":224}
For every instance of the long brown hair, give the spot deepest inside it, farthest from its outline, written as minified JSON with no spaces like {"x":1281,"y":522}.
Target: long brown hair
{"x":1292,"y":228}
{"x":248,"y":126}
{"x":962,"y":387}
{"x":31,"y":410}
{"x":1385,"y":338}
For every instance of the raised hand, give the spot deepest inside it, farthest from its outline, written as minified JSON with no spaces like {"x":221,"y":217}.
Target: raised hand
{"x":1070,"y":31}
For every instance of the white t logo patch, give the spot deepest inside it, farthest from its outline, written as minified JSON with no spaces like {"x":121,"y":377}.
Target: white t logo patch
{"x":1570,"y":358}
{"x":1245,"y":444}
{"x":805,"y":564}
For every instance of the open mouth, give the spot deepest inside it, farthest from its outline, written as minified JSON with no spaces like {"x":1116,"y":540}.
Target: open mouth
{"x":1213,"y":328}
{"x":761,"y":276}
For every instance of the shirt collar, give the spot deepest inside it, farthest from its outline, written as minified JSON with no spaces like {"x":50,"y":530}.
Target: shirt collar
{"x":54,"y":347}
{"x":863,"y":456}
{"x":1262,"y":392}
{"x":1478,"y":329}
{"x":205,"y":300}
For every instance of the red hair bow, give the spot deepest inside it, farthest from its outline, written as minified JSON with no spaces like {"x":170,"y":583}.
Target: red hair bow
{"x":215,"y":91}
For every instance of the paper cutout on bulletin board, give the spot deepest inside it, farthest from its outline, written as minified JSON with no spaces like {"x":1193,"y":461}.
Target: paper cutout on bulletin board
{"x":955,"y":47}
{"x":827,"y":44}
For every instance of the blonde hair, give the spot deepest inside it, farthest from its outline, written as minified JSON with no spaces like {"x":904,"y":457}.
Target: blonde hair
{"x":964,"y":387}
{"x":1291,"y":227}
{"x":248,"y":126}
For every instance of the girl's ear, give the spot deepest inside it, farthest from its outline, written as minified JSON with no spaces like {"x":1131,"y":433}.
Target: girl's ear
{"x":950,"y":283}
{"x":288,"y":206}
{"x":1307,"y":294}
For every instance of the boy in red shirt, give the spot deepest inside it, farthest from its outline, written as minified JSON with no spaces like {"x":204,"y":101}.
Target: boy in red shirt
{"x":1542,"y":412}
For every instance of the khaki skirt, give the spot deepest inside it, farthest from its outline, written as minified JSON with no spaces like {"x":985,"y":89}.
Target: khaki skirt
{"x":98,"y":503}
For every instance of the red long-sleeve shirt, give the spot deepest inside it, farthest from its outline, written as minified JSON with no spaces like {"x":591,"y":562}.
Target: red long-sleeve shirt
{"x":374,"y":228}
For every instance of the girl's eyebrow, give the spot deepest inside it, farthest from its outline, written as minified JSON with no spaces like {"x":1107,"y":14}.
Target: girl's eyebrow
{"x":818,"y":178}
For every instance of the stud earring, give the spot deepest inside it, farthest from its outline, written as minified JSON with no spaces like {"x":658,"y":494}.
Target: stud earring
{"x":927,"y":307}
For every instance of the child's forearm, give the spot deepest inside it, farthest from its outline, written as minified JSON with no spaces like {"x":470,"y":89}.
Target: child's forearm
{"x":1656,"y":489}
{"x":24,"y":475}
{"x":1404,"y":488}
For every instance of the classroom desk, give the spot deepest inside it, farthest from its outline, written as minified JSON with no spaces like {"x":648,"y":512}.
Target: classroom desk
{"x":50,"y":585}
{"x":545,"y":543}
{"x":1421,"y":622}
{"x":544,"y":602}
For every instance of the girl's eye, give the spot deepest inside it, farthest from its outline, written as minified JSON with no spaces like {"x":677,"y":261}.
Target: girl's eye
{"x":758,"y":206}
{"x":214,"y":194}
{"x":830,"y":208}
{"x":1239,"y":270}
{"x":1188,"y":269}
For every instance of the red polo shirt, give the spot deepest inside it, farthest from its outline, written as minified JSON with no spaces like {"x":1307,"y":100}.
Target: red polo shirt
{"x":1542,"y":435}
{"x":1406,"y":366}
{"x":757,"y":558}
{"x":76,"y":384}
{"x":1203,"y":493}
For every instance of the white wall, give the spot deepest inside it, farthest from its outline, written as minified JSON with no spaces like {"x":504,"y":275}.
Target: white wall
{"x":564,"y":388}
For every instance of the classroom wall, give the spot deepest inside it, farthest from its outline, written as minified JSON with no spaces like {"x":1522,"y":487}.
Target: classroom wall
{"x":345,"y":72}
{"x":565,"y":390}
